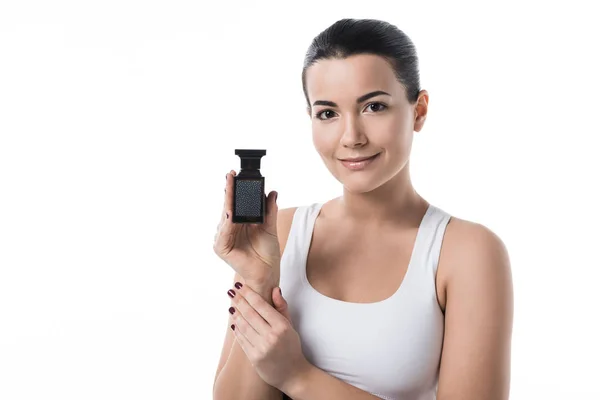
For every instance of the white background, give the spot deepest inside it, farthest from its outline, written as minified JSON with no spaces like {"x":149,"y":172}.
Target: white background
{"x":118,"y":122}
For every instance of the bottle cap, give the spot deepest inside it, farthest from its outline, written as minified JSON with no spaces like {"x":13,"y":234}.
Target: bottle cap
{"x":250,"y":158}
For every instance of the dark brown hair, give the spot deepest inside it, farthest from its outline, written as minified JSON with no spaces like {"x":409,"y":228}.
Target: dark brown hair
{"x":348,"y":37}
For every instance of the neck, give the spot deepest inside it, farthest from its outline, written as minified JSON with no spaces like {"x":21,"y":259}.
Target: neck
{"x":396,"y":202}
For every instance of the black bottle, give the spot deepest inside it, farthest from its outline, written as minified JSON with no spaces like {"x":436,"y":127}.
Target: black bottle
{"x":249,"y":199}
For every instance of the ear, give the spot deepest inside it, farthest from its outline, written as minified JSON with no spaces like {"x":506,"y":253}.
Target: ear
{"x":421,"y":110}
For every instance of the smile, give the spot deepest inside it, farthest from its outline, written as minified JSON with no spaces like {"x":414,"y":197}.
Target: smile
{"x":359,"y":165}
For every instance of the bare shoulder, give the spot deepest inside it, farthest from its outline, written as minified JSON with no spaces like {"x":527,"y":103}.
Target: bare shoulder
{"x":468,"y":245}
{"x":478,"y":313}
{"x":470,"y":251}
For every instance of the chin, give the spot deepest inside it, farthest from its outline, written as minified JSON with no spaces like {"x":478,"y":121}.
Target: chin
{"x":358,"y":185}
{"x":358,"y":181}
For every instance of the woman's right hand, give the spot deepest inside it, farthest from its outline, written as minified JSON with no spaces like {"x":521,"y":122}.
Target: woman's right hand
{"x":252,"y":250}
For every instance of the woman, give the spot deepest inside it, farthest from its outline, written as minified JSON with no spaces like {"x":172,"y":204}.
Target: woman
{"x":386,"y":295}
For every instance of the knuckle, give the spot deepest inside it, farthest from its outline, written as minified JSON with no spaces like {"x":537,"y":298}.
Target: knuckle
{"x":262,"y":351}
{"x":240,"y":306}
{"x":282,"y":330}
{"x":272,"y":338}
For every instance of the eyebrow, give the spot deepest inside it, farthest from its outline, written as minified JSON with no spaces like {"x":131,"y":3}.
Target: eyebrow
{"x":358,"y":101}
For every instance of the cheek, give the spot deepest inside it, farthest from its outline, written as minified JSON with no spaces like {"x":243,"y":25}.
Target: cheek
{"x":389,"y":131}
{"x":323,"y":140}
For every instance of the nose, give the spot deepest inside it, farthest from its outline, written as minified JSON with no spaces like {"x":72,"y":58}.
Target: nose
{"x":352,"y":134}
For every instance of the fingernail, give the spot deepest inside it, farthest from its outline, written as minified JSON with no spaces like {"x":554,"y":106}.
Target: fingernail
{"x":238,"y":285}
{"x":233,"y":327}
{"x":231,"y":310}
{"x":227,"y":215}
{"x":231,"y":293}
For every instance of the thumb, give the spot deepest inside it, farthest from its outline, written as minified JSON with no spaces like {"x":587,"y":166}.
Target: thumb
{"x":271,"y":212}
{"x":280,"y":303}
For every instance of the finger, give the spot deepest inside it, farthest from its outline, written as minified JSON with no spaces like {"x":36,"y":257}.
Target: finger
{"x":228,"y":195}
{"x":225,"y":195}
{"x":264,"y":309}
{"x":278,"y":299}
{"x":226,"y":235}
{"x":244,"y":329}
{"x":242,"y":308}
{"x":280,"y":303}
{"x":243,"y":341}
{"x":227,"y":230}
{"x":272,"y":208}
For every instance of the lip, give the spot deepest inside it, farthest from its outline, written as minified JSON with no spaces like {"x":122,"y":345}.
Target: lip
{"x":357,"y":159}
{"x":356,"y":164}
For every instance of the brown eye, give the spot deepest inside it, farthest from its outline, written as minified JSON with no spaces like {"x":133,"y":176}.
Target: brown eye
{"x":324,"y":112}
{"x":376,"y":107}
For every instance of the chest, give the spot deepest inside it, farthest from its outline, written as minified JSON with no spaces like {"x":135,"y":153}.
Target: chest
{"x":362,"y":268}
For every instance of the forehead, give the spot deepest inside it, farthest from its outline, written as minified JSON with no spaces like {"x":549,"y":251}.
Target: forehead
{"x":352,"y":76}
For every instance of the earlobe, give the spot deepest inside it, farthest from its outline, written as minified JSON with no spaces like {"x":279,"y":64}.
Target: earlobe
{"x":419,"y":121}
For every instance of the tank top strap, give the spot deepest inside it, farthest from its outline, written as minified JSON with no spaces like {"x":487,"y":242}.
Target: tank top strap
{"x":302,"y":226}
{"x":427,"y":247}
{"x":298,"y":242}
{"x":430,"y":240}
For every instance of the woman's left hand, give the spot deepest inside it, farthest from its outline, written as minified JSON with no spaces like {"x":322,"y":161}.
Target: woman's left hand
{"x":267,"y":336}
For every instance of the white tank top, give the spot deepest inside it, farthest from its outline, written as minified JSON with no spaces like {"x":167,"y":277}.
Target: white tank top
{"x":389,"y":348}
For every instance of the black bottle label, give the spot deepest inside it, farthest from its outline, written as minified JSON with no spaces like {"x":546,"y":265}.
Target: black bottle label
{"x":249,"y":200}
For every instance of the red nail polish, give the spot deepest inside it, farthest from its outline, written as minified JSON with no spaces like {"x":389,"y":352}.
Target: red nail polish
{"x":231,"y":310}
{"x":231,"y":293}
{"x":233,"y":327}
{"x":238,"y":285}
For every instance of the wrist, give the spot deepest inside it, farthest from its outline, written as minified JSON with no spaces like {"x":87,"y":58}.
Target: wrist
{"x":264,"y":287}
{"x":263,"y":282}
{"x":296,"y":386}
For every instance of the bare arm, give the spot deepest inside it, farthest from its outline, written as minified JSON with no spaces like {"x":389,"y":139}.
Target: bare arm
{"x":317,"y":384}
{"x":475,"y":361}
{"x":236,"y":378}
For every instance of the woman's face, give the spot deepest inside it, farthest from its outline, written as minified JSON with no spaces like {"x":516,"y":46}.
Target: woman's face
{"x":351,"y":117}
